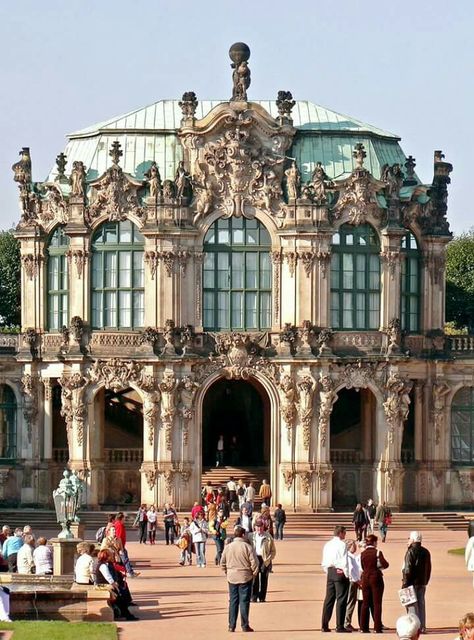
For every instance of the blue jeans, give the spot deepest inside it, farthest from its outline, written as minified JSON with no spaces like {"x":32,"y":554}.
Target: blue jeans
{"x":200,"y":553}
{"x":418,"y":607}
{"x":279,"y":530}
{"x":239,"y":597}
{"x":126,"y":562}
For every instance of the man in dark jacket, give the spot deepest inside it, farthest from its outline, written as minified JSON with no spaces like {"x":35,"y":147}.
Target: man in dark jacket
{"x":416,"y":573}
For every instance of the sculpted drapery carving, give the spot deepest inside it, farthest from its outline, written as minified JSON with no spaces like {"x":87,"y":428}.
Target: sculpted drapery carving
{"x":29,"y":385}
{"x":440,"y":392}
{"x":168,"y":388}
{"x":187,"y":390}
{"x":327,"y":398}
{"x":288,"y":397}
{"x":73,"y":408}
{"x":306,"y":388}
{"x":397,"y":403}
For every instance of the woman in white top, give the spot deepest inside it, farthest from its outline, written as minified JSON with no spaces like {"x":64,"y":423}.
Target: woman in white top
{"x":24,"y":559}
{"x":84,"y":568}
{"x":199,"y":531}
{"x":469,"y":556}
{"x":152,"y":518}
{"x":43,"y":558}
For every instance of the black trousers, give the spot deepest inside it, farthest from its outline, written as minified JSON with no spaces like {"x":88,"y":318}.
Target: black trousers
{"x":239,"y":598}
{"x":260,"y":582}
{"x":169,"y":532}
{"x":142,"y":526}
{"x":337,"y":586}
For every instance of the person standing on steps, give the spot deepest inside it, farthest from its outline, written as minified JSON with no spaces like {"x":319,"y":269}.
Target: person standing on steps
{"x":335,"y":564}
{"x":416,"y":573}
{"x":265,"y":492}
{"x":279,"y":516}
{"x":240,"y":566}
{"x":220,"y":451}
{"x":250,"y":496}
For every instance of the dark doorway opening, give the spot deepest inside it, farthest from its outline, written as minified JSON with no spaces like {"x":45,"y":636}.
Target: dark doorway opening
{"x":240,"y":411}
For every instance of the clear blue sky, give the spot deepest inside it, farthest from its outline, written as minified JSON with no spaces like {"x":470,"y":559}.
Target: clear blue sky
{"x":407,"y":67}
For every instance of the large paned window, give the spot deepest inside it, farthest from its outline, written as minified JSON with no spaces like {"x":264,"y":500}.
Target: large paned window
{"x":355,"y":278}
{"x":410,"y":285}
{"x":237,"y":276}
{"x":7,"y":422}
{"x":117,"y":277}
{"x":462,"y":427}
{"x":58,"y":285}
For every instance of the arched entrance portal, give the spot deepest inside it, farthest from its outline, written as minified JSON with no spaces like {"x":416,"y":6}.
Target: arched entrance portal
{"x":240,"y":411}
{"x":122,"y":429}
{"x":352,"y":446}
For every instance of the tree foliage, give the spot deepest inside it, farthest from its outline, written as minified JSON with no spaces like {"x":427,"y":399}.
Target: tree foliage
{"x":460,"y":281}
{"x":10,"y":279}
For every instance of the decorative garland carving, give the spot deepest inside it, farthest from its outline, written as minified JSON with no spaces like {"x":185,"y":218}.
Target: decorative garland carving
{"x":183,"y":257}
{"x":151,"y":476}
{"x":29,"y":385}
{"x":73,"y":409}
{"x":187,"y":391}
{"x":288,"y":478}
{"x":198,"y":261}
{"x":291,"y":258}
{"x":150,"y":412}
{"x":306,"y":478}
{"x":307,"y":258}
{"x":79,"y":257}
{"x":327,"y":398}
{"x":440,"y":391}
{"x":30,"y":264}
{"x":391,"y":259}
{"x":397,"y":403}
{"x":277,"y":258}
{"x":116,"y":374}
{"x":288,"y":396}
{"x":168,"y":258}
{"x":151,"y":260}
{"x":168,"y":388}
{"x":306,"y":388}
{"x":324,"y":259}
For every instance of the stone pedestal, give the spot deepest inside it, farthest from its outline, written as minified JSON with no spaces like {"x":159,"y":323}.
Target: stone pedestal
{"x":78,"y":529}
{"x":64,"y":553}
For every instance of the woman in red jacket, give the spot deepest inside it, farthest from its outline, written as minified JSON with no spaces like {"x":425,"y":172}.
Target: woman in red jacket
{"x":372,"y":562}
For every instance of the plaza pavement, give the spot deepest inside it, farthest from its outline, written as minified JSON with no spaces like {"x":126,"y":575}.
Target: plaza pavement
{"x":186,"y":602}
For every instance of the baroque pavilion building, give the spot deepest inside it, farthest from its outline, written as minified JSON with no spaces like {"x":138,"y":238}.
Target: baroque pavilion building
{"x":269,"y":271}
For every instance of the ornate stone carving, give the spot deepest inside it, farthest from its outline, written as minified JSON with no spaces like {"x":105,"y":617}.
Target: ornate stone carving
{"x":153,"y":179}
{"x":168,"y":476}
{"x":116,"y":374}
{"x":323,"y":477}
{"x":305,"y":335}
{"x":291,"y":258}
{"x":397,"y":403}
{"x":30,"y":264}
{"x":324,"y":338}
{"x":76,"y":328}
{"x":168,"y":388}
{"x":288,"y":478}
{"x":79,"y":257}
{"x":307,"y":258}
{"x":324,"y":259}
{"x":234,"y":350}
{"x":187,"y":391}
{"x":53,"y":205}
{"x":183,"y":257}
{"x":73,"y":408}
{"x":151,"y":259}
{"x":48,"y":389}
{"x":61,"y":162}
{"x":358,"y":375}
{"x":316,"y":190}
{"x":188,"y":104}
{"x":440,"y":391}
{"x":182,"y":183}
{"x":150,"y":413}
{"x":30,"y":339}
{"x":186,"y":336}
{"x":288,"y":397}
{"x":168,"y":258}
{"x":22,"y":168}
{"x":306,"y":478}
{"x":394,"y":334}
{"x":287,"y":340}
{"x":392,"y":176}
{"x":391,"y":259}
{"x":306,"y":388}
{"x":239,"y":53}
{"x":198,"y":260}
{"x":276,"y":257}
{"x":151,"y":476}
{"x":29,"y":386}
{"x":410,"y":165}
{"x":357,"y":194}
{"x":150,"y":336}
{"x":169,"y":335}
{"x":466,"y":481}
{"x":115,"y":193}
{"x":285,"y":104}
{"x":327,"y":398}
{"x":78,"y":179}
{"x":293,"y":182}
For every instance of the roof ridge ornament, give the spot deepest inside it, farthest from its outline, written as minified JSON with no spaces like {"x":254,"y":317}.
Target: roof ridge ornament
{"x":61,"y":162}
{"x":188,"y":104}
{"x":239,"y":53}
{"x":116,"y":152}
{"x":285,"y":104}
{"x":359,"y":154}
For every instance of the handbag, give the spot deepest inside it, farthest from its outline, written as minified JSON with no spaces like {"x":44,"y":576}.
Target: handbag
{"x":407,"y":596}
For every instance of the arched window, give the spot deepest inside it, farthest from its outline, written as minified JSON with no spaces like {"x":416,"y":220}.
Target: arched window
{"x":58,"y":285}
{"x":410,"y":284}
{"x":462,"y":427}
{"x":237,"y":276}
{"x":7,"y":422}
{"x":117,"y":277}
{"x":355,"y":278}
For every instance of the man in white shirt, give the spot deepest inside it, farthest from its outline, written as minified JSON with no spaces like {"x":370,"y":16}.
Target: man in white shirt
{"x":335,"y":563}
{"x":220,"y":451}
{"x":355,"y":572}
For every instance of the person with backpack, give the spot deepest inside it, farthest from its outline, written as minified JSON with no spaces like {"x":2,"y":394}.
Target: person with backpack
{"x":383,"y":517}
{"x":217,"y":528}
{"x":279,"y":516}
{"x":360,"y":520}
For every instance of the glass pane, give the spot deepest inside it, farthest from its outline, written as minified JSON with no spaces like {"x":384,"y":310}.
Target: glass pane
{"x":237,"y":271}
{"x":64,"y":273}
{"x":223,"y":275}
{"x":110,"y":309}
{"x":125,"y":232}
{"x":110,"y":233}
{"x":97,"y":310}
{"x":360,"y":271}
{"x":347,"y":311}
{"x":208,"y":309}
{"x":237,"y":310}
{"x":138,"y":269}
{"x":138,"y":308}
{"x":251,"y":235}
{"x":360,"y":310}
{"x":54,"y":273}
{"x":264,"y":237}
{"x":223,"y":310}
{"x":97,"y":270}
{"x":223,"y":232}
{"x":335,"y":259}
{"x":237,"y":231}
{"x":251,"y":281}
{"x":336,"y":239}
{"x":265,"y":310}
{"x":251,"y":310}
{"x":125,"y":266}
{"x":374,"y":274}
{"x":110,"y":269}
{"x":125,"y":309}
{"x":137,"y":236}
{"x":265,"y":271}
{"x":374,"y":310}
{"x":347,"y":276}
{"x":349,"y":238}
{"x":64,"y":308}
{"x":210,"y":236}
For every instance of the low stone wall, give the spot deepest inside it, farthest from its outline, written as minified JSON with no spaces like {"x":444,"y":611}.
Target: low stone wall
{"x":55,"y":598}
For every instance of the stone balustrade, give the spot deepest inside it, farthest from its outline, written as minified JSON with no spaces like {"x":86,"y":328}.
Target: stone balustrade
{"x":123,"y":456}
{"x":346,"y":456}
{"x":462,"y":344}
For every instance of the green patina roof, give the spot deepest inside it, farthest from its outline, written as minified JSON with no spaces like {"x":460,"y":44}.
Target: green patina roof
{"x":150,"y":134}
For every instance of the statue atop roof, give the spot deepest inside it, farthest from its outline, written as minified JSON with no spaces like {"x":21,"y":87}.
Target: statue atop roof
{"x":239,"y":53}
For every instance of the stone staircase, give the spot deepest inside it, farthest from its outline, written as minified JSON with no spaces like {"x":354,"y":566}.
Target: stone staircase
{"x":43,"y":520}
